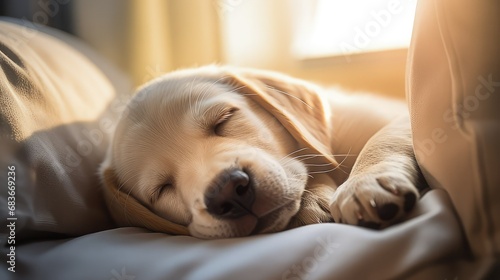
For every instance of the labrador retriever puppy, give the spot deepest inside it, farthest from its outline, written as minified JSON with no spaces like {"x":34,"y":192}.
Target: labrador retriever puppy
{"x":217,"y":152}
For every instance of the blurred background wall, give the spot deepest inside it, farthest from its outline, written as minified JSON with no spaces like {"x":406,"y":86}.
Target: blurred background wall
{"x":329,"y":42}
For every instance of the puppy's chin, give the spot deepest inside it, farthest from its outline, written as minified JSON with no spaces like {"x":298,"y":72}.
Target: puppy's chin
{"x":278,"y":219}
{"x":224,"y":229}
{"x":274,"y":221}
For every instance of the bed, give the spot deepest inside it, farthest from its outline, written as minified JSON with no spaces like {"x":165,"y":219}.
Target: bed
{"x":59,"y":100}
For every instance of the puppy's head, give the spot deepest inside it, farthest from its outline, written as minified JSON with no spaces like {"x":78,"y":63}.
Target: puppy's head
{"x":215,"y":152}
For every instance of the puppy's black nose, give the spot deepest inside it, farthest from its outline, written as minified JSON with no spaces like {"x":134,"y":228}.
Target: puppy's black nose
{"x":231,"y":196}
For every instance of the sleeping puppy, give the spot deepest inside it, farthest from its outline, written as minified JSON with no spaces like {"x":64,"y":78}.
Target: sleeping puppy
{"x":218,"y":152}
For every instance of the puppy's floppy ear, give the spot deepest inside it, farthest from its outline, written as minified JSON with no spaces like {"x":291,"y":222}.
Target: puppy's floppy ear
{"x":297,"y":105}
{"x":127,"y":211}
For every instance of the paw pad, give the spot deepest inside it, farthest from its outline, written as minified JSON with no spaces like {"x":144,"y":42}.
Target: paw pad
{"x":410,"y":199}
{"x":388,"y":211}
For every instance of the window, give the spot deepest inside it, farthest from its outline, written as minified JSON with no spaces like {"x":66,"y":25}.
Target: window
{"x":343,"y":28}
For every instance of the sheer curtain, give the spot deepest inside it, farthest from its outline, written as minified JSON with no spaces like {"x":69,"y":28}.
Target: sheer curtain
{"x":148,"y":38}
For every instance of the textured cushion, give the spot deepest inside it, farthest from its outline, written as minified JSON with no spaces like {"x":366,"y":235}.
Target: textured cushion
{"x":54,"y":130}
{"x":454,"y":95}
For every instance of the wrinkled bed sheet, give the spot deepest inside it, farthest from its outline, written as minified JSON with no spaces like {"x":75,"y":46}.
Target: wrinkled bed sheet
{"x":327,"y":251}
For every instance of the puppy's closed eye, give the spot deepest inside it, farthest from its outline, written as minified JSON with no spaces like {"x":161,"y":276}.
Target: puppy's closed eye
{"x":218,"y":127}
{"x":160,"y":190}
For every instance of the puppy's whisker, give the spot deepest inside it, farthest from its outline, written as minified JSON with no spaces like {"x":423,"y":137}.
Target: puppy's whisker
{"x":339,"y":165}
{"x":323,"y":171}
{"x":287,"y":159}
{"x":330,"y":170}
{"x":342,"y":162}
{"x":320,"y":155}
{"x":307,"y":155}
{"x":310,"y":155}
{"x":319,"y":164}
{"x":297,"y":151}
{"x":276,"y":206}
{"x":301,"y":158}
{"x":348,"y":154}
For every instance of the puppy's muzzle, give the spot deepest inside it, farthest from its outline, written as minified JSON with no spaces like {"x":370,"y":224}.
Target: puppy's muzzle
{"x":231,"y":195}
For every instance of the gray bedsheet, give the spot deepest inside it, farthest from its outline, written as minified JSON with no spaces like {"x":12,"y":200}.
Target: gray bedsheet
{"x":328,"y":251}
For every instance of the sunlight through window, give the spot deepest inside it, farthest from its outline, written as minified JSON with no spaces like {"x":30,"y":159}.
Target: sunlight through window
{"x":332,"y":28}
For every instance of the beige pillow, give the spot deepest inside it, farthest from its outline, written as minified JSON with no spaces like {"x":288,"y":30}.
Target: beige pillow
{"x":57,"y":110}
{"x":454,"y":93}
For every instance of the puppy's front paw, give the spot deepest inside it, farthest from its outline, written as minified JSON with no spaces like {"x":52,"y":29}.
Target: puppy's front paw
{"x":374,"y":200}
{"x":313,"y":207}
